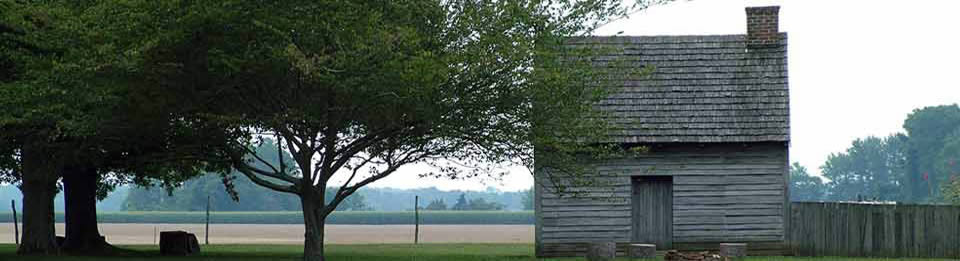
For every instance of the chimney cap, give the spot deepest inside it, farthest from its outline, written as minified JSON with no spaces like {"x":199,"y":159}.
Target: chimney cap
{"x":763,"y":9}
{"x":763,"y":26}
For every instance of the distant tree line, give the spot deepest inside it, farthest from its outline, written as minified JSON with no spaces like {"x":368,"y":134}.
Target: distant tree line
{"x":236,"y":192}
{"x":393,"y":199}
{"x":231,"y":192}
{"x":464,"y":204}
{"x":919,"y":166}
{"x":192,"y":196}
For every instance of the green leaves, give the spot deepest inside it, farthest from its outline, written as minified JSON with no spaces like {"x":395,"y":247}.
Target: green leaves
{"x":929,"y":130}
{"x":871,"y":168}
{"x":805,"y":187}
{"x":919,"y":166}
{"x":399,"y":82}
{"x":357,"y":89}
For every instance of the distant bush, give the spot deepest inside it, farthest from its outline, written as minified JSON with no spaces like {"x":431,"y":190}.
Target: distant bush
{"x":290,"y":217}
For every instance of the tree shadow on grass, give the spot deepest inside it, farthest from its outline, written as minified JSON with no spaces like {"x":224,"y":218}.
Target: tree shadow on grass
{"x":8,"y":252}
{"x":281,"y":253}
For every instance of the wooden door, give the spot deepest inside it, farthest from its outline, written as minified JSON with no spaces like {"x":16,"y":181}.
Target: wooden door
{"x":653,"y":211}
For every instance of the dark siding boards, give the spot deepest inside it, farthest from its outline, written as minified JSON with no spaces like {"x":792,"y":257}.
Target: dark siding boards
{"x":728,"y":192}
{"x":653,"y":210}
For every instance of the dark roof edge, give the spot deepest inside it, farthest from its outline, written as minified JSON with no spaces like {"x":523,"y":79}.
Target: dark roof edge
{"x":664,"y":38}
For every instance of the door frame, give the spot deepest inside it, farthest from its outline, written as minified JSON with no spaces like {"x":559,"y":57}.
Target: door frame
{"x":635,"y":181}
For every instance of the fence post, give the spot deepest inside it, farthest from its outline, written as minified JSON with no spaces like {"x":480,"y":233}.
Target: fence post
{"x":416,"y":218}
{"x":206,"y":234}
{"x":16,"y":227}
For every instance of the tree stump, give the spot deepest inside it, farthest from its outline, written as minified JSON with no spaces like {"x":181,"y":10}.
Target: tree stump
{"x":733,"y":251}
{"x":642,"y":251}
{"x":178,"y":243}
{"x":602,"y":251}
{"x":674,"y":255}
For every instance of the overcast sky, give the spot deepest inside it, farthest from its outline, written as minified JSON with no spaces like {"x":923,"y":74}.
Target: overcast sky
{"x":856,"y":68}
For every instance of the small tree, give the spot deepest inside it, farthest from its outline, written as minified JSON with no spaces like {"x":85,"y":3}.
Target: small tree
{"x":437,"y":204}
{"x":483,"y":204}
{"x":528,"y":199}
{"x":462,"y":203}
{"x":804,"y":187}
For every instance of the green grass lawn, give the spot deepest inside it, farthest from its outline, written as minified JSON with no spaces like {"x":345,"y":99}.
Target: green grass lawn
{"x":425,"y":252}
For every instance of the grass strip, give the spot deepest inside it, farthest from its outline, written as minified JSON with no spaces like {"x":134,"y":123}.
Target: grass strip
{"x":378,"y":252}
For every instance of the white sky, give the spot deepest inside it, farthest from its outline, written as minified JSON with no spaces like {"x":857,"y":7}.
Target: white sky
{"x":856,"y":68}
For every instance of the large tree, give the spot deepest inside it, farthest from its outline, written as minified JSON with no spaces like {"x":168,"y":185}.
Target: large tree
{"x":85,"y":110}
{"x":928,"y":128}
{"x":871,"y":168}
{"x":33,"y":116}
{"x":355,"y":90}
{"x":918,"y":166}
{"x":947,"y":162}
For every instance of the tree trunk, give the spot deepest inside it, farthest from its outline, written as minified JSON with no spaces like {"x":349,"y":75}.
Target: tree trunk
{"x":80,"y":200}
{"x":39,"y":186}
{"x":313,"y":223}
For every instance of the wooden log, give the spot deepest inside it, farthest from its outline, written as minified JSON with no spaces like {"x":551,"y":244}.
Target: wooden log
{"x":601,"y":251}
{"x":642,"y":251}
{"x":733,"y":251}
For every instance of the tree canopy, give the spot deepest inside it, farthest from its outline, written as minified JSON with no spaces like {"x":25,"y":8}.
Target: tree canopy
{"x":147,"y":91}
{"x":805,"y":187}
{"x":930,"y":149}
{"x":871,"y":168}
{"x":920,"y":165}
{"x":362,"y":88}
{"x":83,"y":107}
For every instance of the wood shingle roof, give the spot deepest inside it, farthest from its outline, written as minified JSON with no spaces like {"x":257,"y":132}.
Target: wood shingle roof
{"x":703,"y":89}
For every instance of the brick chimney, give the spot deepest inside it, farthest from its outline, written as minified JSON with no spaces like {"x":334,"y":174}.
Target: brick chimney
{"x":763,"y":26}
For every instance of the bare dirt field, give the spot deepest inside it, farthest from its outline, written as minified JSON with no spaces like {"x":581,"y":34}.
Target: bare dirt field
{"x":293,"y":234}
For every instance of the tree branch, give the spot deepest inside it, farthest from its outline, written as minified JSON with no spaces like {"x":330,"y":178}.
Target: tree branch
{"x":346,"y":153}
{"x":346,"y":190}
{"x":241,"y":165}
{"x":354,"y":173}
{"x":247,"y":171}
{"x":257,"y":156}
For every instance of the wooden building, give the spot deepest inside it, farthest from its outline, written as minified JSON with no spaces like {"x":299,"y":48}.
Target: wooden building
{"x":715,"y":115}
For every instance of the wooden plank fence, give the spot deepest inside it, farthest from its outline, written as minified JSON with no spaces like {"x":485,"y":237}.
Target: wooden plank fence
{"x":874,"y":230}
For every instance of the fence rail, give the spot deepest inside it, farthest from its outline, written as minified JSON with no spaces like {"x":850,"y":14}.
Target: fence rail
{"x":852,"y":229}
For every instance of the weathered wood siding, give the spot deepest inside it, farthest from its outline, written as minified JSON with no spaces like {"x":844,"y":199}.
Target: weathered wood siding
{"x":653,"y":210}
{"x":727,"y":192}
{"x":850,"y":229}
